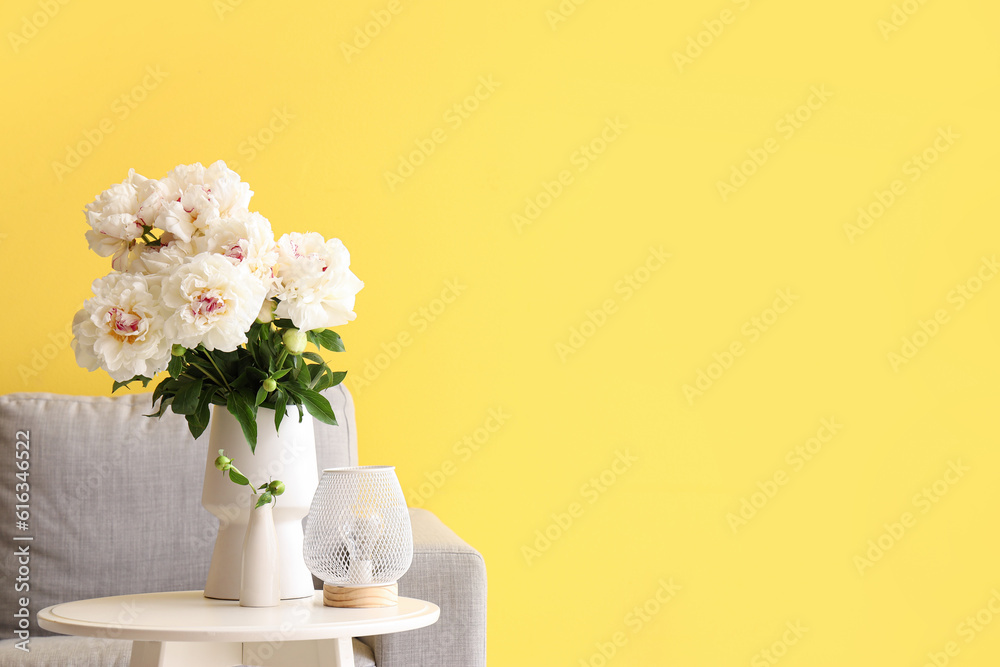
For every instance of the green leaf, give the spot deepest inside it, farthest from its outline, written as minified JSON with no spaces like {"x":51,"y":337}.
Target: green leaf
{"x":267,"y":349}
{"x":227,"y":362}
{"x":254,"y":334}
{"x":194,"y":425}
{"x":115,"y":386}
{"x":320,"y":382}
{"x":164,"y":404}
{"x":176,"y":366}
{"x":303,"y":375}
{"x":186,"y":398}
{"x":237,"y":477}
{"x":280,"y":405}
{"x":316,"y":404}
{"x":312,"y":356}
{"x":264,"y":499}
{"x":261,"y":395}
{"x":198,"y":422}
{"x":245,"y":414}
{"x":241,"y":380}
{"x":164,"y":388}
{"x":330,"y":340}
{"x":262,"y":486}
{"x":206,"y":399}
{"x":280,"y":374}
{"x":328,"y":379}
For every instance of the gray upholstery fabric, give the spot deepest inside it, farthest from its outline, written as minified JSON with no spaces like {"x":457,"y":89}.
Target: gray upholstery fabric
{"x":107,"y":515}
{"x":67,"y":652}
{"x":452,"y":575}
{"x":101,"y":524}
{"x":108,"y":518}
{"x":89,"y":652}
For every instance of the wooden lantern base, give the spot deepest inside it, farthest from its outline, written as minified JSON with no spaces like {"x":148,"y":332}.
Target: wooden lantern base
{"x":360,"y":597}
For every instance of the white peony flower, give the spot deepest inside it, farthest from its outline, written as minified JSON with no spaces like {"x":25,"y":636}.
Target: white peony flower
{"x":245,"y":238}
{"x":115,"y":219}
{"x":194,"y":196}
{"x":152,"y":195}
{"x":163,"y":258}
{"x":121,"y":328}
{"x":83,"y":341}
{"x":315,"y":286}
{"x":214,"y":302}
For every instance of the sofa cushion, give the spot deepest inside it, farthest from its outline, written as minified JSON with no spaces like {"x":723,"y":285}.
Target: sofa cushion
{"x":115,"y":498}
{"x":451,"y":574}
{"x":92,"y":652}
{"x":67,"y":652}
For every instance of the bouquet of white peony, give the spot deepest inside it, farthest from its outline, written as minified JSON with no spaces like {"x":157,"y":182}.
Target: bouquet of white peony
{"x":201,"y":289}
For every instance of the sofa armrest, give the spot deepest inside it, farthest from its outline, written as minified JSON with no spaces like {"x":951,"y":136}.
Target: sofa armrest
{"x":452,"y":575}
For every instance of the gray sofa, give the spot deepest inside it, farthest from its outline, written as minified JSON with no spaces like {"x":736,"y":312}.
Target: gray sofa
{"x":115,"y":508}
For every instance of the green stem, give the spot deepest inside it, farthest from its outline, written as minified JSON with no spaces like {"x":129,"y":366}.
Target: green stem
{"x":208,"y":355}
{"x":211,"y":377}
{"x":281,"y":359}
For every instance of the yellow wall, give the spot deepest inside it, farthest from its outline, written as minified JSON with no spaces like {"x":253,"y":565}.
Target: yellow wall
{"x":152,"y":85}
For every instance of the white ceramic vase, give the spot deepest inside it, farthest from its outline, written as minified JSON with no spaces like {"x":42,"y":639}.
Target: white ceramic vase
{"x":259,"y":578}
{"x":289,"y":456}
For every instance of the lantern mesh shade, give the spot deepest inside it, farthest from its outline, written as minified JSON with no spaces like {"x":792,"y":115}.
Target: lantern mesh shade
{"x":358,"y":532}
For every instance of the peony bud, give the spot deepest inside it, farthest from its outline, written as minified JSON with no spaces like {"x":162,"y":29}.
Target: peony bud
{"x":295,"y":341}
{"x":277,"y":487}
{"x":266,"y":313}
{"x":178,"y":350}
{"x":223,"y":463}
{"x":269,"y":385}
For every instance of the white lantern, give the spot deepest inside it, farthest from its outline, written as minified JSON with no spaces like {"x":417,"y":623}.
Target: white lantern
{"x":358,"y":539}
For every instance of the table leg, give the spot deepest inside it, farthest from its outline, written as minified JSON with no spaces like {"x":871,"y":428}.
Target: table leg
{"x":315,"y":653}
{"x":336,"y":652}
{"x":185,"y":654}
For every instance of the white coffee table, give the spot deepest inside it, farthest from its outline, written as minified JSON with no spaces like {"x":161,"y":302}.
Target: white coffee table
{"x":187,"y":629}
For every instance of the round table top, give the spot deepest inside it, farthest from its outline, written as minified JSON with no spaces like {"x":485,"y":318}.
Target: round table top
{"x":190,"y":616}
